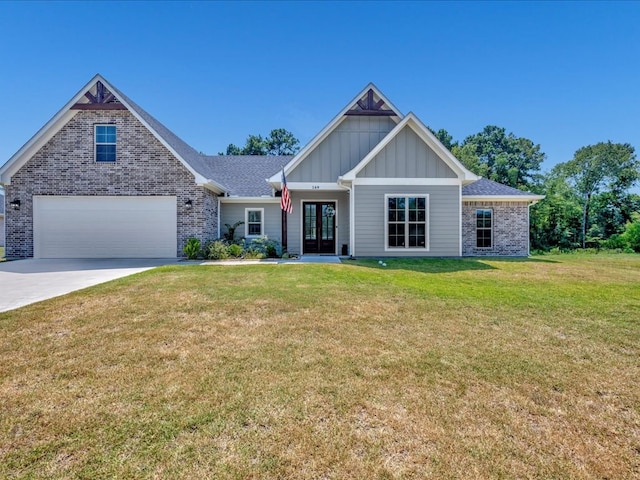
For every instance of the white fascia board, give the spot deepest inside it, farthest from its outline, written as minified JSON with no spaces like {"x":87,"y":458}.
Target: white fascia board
{"x":502,"y":198}
{"x":406,"y":181}
{"x":316,"y":186}
{"x":210,"y":184}
{"x":411,"y":121}
{"x":249,"y":199}
{"x":330,"y":127}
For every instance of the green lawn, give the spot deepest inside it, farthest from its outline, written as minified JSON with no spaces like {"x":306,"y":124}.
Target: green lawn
{"x":438,"y":368}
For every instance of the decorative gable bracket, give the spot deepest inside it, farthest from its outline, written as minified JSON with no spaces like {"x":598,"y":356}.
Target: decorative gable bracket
{"x":367,"y":106}
{"x":103,"y":99}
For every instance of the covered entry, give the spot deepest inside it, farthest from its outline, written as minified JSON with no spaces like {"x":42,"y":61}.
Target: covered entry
{"x":319,"y":227}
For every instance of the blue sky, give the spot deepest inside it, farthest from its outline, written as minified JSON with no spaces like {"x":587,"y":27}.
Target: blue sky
{"x":564,"y":75}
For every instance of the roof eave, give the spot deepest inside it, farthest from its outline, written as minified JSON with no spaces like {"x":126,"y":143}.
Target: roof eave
{"x":502,"y":198}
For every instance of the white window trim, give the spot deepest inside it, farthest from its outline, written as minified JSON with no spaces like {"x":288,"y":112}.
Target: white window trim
{"x":490,"y":229}
{"x":246,"y":222}
{"x":427,"y":246}
{"x":95,"y":141}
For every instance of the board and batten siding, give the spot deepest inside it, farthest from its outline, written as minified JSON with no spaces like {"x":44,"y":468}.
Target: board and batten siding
{"x":349,"y":143}
{"x":406,"y":156}
{"x":443,"y":220}
{"x":231,"y":213}
{"x":294,"y":221}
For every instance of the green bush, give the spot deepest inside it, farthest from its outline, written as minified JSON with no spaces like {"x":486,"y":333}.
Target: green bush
{"x":631,"y":234}
{"x":265,"y":246}
{"x":235,"y":250}
{"x":192,"y":248}
{"x":217,"y":250}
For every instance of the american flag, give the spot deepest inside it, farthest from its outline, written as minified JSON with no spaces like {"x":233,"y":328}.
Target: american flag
{"x":285,"y":199}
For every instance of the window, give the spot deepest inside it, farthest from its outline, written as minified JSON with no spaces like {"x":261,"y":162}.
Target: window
{"x":484,"y":223}
{"x":105,"y":139}
{"x":254,"y":222}
{"x":407,"y":221}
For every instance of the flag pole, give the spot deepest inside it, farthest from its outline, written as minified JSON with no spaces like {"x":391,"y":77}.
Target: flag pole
{"x":284,"y":231}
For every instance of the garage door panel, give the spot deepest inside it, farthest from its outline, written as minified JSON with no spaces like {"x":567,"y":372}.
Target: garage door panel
{"x":104,"y":227}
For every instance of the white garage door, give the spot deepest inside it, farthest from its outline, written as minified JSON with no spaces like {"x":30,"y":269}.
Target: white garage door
{"x":104,"y":227}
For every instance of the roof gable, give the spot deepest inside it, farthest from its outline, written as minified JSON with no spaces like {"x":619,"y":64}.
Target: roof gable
{"x":98,"y":93}
{"x":412,"y":122}
{"x":365,"y":103}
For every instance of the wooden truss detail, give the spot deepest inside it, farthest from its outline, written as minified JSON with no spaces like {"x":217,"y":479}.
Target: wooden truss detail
{"x":102,"y":100}
{"x":366,"y":106}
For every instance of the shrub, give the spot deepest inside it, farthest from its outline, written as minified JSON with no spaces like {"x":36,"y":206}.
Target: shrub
{"x":192,"y":248}
{"x":631,"y":234}
{"x":231,"y":230}
{"x":235,"y":250}
{"x":217,"y":250}
{"x":268,"y":248}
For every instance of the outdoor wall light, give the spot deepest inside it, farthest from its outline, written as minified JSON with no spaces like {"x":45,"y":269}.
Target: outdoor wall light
{"x":15,"y":204}
{"x":188,"y":203}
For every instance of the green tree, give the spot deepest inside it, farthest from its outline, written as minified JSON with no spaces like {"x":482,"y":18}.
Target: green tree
{"x":282,"y":142}
{"x":445,"y":138}
{"x":278,"y":142}
{"x":555,"y":221}
{"x":603,"y":167}
{"x":501,"y":157}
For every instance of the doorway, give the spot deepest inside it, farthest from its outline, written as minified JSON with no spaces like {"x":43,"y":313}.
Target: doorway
{"x":319,"y":227}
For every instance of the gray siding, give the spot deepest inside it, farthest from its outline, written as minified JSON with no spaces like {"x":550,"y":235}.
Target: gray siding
{"x":294,"y":222}
{"x":407,"y":156}
{"x":231,"y":213}
{"x":342,"y":149}
{"x":443,"y":215}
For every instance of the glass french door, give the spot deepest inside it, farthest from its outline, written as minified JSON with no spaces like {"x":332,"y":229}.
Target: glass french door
{"x":319,"y":227}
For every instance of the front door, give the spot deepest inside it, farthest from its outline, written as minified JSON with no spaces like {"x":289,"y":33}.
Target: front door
{"x":319,"y":225}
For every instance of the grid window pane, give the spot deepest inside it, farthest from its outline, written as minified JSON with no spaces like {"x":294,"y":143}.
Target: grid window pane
{"x":254,"y":216}
{"x":254,"y":229}
{"x":396,"y":235}
{"x":105,"y":153}
{"x":407,"y":222}
{"x":417,"y":235}
{"x":484,"y":232}
{"x":105,"y":140}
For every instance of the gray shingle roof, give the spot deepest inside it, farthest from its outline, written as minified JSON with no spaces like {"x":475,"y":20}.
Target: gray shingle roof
{"x":189,"y":154}
{"x":484,"y":187}
{"x":242,"y":175}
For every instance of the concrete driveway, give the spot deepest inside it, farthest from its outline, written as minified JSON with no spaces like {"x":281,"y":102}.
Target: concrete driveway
{"x":23,"y":282}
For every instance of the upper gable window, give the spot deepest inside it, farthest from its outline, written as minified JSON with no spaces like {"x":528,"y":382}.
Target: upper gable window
{"x":105,"y":142}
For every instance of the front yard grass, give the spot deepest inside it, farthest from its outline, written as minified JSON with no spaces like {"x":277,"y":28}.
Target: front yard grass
{"x":475,"y":368}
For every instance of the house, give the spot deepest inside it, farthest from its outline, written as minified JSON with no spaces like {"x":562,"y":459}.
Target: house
{"x":103,"y":178}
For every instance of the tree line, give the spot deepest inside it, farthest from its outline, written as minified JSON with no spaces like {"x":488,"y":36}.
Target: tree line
{"x":588,"y":202}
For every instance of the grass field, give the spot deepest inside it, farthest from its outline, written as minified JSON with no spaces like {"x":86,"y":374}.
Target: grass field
{"x":439,"y":368}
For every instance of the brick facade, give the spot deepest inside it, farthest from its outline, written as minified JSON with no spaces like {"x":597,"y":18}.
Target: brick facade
{"x":66,"y":166}
{"x":510,"y":229}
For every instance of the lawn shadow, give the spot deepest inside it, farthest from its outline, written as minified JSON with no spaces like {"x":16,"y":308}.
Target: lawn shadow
{"x":439,"y":265}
